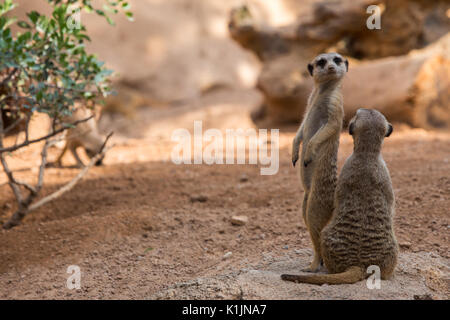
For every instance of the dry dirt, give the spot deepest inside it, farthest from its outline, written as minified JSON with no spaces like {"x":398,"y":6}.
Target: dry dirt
{"x":136,"y":230}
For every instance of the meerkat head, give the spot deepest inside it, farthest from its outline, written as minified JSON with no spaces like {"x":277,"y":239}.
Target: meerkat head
{"x":328,"y":66}
{"x":92,"y":153}
{"x":369,"y":127}
{"x":93,"y":147}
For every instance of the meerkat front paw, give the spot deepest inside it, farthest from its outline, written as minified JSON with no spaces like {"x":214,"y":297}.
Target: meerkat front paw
{"x":309,"y":155}
{"x":294,"y":158}
{"x":306,"y":162}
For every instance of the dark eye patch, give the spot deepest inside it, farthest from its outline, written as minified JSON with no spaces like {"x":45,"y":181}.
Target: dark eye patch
{"x":337,"y":60}
{"x":321,"y":63}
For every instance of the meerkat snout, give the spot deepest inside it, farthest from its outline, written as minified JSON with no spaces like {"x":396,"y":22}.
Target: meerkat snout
{"x":91,"y":153}
{"x":328,"y":66}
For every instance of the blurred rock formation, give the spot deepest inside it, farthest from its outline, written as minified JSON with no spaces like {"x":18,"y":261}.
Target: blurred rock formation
{"x":402,"y":69}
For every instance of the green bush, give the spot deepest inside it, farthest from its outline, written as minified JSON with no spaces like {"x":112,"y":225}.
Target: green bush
{"x":45,"y":68}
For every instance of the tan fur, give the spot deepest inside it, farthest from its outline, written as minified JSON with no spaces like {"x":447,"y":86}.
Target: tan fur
{"x":360,"y":233}
{"x":319,"y":132}
{"x":85,"y":135}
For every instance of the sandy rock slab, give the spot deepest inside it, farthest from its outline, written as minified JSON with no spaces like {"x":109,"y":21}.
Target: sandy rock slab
{"x":419,"y":275}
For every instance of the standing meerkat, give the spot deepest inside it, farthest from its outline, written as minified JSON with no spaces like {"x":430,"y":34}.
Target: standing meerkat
{"x":85,"y":135}
{"x":319,"y":133}
{"x":360,"y":233}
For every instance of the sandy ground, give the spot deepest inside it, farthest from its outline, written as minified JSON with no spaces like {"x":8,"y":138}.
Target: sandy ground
{"x":136,"y":229}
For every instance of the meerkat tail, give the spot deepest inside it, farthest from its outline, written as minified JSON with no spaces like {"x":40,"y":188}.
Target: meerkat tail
{"x":351,"y":275}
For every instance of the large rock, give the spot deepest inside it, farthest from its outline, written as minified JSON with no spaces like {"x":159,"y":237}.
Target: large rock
{"x":412,"y":88}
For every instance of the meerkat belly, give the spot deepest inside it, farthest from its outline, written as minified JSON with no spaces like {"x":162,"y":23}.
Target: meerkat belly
{"x":314,"y":122}
{"x":324,"y":170}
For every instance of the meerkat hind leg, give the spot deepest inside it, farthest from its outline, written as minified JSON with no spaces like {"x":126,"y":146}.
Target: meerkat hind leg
{"x":317,"y":262}
{"x":315,"y":222}
{"x":58,"y":161}
{"x":80,"y":163}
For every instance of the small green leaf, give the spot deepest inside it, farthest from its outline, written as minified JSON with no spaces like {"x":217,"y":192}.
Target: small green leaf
{"x":148,"y":249}
{"x":129,"y":15}
{"x":110,"y":21}
{"x":24,"y":25}
{"x":33,"y":16}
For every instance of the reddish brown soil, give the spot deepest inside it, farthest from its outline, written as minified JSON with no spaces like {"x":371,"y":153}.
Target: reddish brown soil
{"x":134,"y":229}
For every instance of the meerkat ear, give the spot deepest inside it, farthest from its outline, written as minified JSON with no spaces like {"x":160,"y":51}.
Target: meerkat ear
{"x":351,"y":128}
{"x":346,"y":64}
{"x":310,"y":69}
{"x":390,"y":129}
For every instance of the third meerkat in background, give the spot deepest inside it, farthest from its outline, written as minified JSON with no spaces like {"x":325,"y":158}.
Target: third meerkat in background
{"x":360,"y":233}
{"x":319,"y":132}
{"x":84,"y":135}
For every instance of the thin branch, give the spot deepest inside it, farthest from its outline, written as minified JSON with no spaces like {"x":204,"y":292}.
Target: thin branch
{"x":106,"y":140}
{"x":25,"y":185}
{"x":9,"y":76}
{"x":12,"y":126}
{"x":26,"y":207}
{"x":8,"y":172}
{"x":74,"y":181}
{"x":48,"y":143}
{"x":52,"y":134}
{"x":27,"y":127}
{"x":11,"y":180}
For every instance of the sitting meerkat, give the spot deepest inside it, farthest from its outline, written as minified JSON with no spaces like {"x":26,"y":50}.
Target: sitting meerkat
{"x":360,"y":233}
{"x":85,"y":135}
{"x":319,"y":132}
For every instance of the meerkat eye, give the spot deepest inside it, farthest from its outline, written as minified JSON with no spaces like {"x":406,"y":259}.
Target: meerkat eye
{"x":321,"y":63}
{"x":337,"y":60}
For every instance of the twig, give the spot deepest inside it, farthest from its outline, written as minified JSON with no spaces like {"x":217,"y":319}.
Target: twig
{"x":48,"y":143}
{"x":54,"y":133}
{"x":8,"y":172}
{"x":24,"y":205}
{"x":75,"y":180}
{"x":12,"y":126}
{"x":11,"y":74}
{"x":25,"y":185}
{"x":11,"y":181}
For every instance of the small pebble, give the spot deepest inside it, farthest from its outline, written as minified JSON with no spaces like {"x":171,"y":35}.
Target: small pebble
{"x":199,"y":198}
{"x":405,"y":244}
{"x":227,"y":255}
{"x":239,"y":220}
